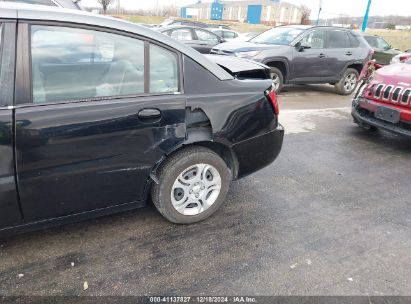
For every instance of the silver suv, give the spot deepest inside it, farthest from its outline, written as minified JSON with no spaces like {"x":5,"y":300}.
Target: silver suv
{"x":60,"y":3}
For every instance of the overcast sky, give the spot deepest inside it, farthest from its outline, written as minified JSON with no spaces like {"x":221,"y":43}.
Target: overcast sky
{"x":331,"y":8}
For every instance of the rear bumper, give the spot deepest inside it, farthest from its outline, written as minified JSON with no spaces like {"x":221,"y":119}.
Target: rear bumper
{"x":363,"y":114}
{"x":258,"y":152}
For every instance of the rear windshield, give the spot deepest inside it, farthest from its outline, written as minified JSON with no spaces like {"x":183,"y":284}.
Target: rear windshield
{"x":278,"y":35}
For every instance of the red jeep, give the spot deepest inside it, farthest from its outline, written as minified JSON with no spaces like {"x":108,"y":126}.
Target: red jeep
{"x":383,"y":99}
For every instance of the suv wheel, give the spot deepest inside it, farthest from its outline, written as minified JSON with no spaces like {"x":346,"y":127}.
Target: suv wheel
{"x":278,"y":79}
{"x":348,"y":82}
{"x":193,"y":184}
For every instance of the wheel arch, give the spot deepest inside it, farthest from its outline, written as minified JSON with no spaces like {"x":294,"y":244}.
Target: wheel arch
{"x":352,"y":65}
{"x":280,"y":64}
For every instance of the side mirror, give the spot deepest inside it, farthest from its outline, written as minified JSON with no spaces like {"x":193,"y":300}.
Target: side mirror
{"x":222,"y":40}
{"x":301,"y":47}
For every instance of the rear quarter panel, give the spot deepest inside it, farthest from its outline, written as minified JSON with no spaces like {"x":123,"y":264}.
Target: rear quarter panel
{"x":237,"y":109}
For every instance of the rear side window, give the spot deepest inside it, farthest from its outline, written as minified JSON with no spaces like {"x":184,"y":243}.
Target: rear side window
{"x":182,"y":34}
{"x":163,"y":70}
{"x":78,"y":64}
{"x":338,"y":39}
{"x":354,"y":40}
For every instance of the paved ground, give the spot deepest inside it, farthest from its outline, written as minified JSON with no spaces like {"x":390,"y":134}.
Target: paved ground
{"x":330,"y":217}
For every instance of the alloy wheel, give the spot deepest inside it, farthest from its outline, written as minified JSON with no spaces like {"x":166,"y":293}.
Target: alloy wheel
{"x":196,"y":189}
{"x":350,"y":82}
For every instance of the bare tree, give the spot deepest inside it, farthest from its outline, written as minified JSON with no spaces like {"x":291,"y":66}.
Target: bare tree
{"x":305,"y":16}
{"x":105,"y":4}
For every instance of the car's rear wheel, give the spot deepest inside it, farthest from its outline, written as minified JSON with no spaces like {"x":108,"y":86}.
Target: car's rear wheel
{"x":348,"y":82}
{"x":193,"y":184}
{"x":278,"y":79}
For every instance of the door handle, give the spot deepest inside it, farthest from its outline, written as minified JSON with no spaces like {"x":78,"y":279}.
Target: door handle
{"x":149,"y":113}
{"x":348,"y":53}
{"x":321,"y":55}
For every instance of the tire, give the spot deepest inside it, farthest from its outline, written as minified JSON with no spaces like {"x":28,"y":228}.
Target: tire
{"x":348,"y":82}
{"x":278,"y":79}
{"x":185,"y":165}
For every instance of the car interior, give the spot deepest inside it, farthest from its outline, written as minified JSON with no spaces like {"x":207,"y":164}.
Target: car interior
{"x":97,"y":65}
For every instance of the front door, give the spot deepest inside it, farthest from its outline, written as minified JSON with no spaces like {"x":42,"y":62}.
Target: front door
{"x":310,"y":61}
{"x":102,"y":113}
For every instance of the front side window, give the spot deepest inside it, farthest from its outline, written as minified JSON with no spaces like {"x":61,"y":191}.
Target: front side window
{"x":377,"y":42}
{"x":278,"y":35}
{"x":73,"y":64}
{"x":206,"y":36}
{"x":314,"y":40}
{"x":382,"y":44}
{"x":182,"y":34}
{"x":338,"y":39}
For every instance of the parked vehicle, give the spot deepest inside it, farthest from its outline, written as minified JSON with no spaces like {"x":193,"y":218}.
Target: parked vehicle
{"x":177,"y":22}
{"x":226,"y":34}
{"x":72,"y":4}
{"x":219,"y":26}
{"x":401,"y":57}
{"x":246,"y":36}
{"x":199,"y":39}
{"x":112,"y":112}
{"x":306,"y":54}
{"x":384,"y":100}
{"x":383,"y":51}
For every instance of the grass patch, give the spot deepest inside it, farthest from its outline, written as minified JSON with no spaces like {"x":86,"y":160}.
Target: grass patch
{"x":143,"y":19}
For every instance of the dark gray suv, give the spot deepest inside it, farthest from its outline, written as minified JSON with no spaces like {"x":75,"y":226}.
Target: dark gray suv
{"x":306,"y":54}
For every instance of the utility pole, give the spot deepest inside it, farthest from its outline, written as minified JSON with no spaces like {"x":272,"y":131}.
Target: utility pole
{"x":319,"y":12}
{"x":365,"y":22}
{"x":118,"y":7}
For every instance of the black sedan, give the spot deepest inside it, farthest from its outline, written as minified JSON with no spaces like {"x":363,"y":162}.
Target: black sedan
{"x":111,"y":113}
{"x":199,"y":39}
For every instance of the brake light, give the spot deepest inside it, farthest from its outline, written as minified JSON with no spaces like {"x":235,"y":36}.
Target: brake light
{"x":405,"y":57}
{"x":273,"y":98}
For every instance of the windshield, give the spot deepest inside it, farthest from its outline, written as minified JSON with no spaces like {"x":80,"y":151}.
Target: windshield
{"x":278,"y":35}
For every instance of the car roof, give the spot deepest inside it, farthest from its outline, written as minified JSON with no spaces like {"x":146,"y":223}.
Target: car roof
{"x":220,"y":29}
{"x":50,"y":13}
{"x":170,"y":27}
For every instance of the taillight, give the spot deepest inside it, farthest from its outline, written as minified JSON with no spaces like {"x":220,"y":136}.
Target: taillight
{"x":405,"y":57}
{"x":273,"y":98}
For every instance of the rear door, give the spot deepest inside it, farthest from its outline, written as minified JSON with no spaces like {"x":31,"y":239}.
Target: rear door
{"x":340,"y":51}
{"x":9,"y":207}
{"x":98,"y":110}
